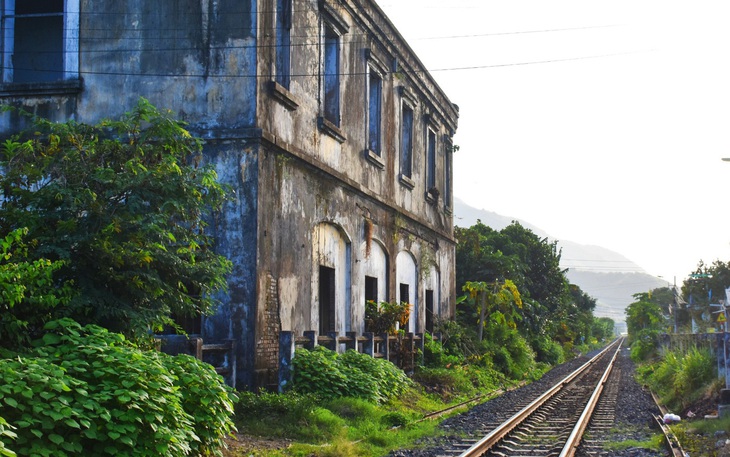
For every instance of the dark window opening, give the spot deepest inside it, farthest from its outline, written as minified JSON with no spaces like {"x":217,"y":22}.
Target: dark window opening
{"x":447,"y":175}
{"x":371,"y":289}
{"x":429,"y":311}
{"x":332,"y":76}
{"x":192,"y":325}
{"x":431,"y":161}
{"x":375,"y":92}
{"x":326,"y":300}
{"x":405,"y":295}
{"x":407,"y":142}
{"x":38,"y":41}
{"x":283,"y":42}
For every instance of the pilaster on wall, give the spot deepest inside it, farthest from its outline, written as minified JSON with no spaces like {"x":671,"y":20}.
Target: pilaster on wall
{"x":267,"y":341}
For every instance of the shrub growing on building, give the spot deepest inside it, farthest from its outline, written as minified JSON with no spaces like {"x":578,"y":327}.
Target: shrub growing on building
{"x":120,"y":208}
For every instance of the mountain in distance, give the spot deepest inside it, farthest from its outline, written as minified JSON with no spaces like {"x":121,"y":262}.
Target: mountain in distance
{"x":589,"y":267}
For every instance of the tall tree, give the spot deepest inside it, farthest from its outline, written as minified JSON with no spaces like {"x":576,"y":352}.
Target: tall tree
{"x":491,"y":298}
{"x":122,"y":205}
{"x":533,"y":265}
{"x":643,"y":315}
{"x":706,"y":285}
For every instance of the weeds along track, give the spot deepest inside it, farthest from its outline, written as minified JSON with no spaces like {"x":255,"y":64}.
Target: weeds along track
{"x":554,"y":423}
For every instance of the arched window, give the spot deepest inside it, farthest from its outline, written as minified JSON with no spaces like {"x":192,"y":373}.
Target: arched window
{"x":331,"y":308}
{"x":407,"y":287}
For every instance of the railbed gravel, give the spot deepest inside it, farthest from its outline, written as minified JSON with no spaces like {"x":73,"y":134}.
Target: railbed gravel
{"x":634,"y":413}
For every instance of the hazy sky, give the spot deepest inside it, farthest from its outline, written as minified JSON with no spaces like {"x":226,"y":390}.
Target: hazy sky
{"x":601,"y":122}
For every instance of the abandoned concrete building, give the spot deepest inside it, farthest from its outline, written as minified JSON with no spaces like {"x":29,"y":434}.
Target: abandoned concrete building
{"x":335,"y":139}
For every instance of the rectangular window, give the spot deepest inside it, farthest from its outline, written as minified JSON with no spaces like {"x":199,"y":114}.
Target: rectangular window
{"x":371,"y":289}
{"x":405,"y":295}
{"x":283,"y":42}
{"x":430,"y":160}
{"x":40,"y":40}
{"x":448,"y":157}
{"x":406,"y":144}
{"x":332,"y":76}
{"x":375,"y":97}
{"x":326,"y":300}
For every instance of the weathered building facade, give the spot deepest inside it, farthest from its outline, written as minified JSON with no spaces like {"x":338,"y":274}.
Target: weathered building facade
{"x":336,"y":142}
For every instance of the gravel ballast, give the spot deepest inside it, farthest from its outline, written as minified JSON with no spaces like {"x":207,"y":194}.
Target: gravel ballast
{"x":634,"y":413}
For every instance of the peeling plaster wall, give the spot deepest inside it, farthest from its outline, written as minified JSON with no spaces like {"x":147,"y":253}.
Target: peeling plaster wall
{"x":195,"y":57}
{"x":369,"y":40}
{"x":236,"y":317}
{"x":296,"y":197}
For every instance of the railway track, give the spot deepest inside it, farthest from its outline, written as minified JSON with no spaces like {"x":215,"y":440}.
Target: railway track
{"x":554,"y":423}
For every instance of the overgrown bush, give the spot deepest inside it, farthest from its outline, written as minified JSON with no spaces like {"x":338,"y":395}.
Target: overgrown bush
{"x":117,"y":212}
{"x":330,"y":375}
{"x":28,"y":292}
{"x":680,"y":375}
{"x":548,"y":351}
{"x":386,"y":316}
{"x":511,"y":354}
{"x":6,"y":433}
{"x":644,"y":345}
{"x":86,"y":391}
{"x":436,"y":356}
{"x":207,"y":400}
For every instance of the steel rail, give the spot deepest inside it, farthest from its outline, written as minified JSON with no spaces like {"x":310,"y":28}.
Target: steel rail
{"x":510,"y":424}
{"x":571,"y":446}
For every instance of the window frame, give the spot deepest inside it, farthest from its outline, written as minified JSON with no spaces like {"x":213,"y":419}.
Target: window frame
{"x":448,"y":172}
{"x":332,"y":29}
{"x":282,"y":53}
{"x":374,"y":70}
{"x":331,"y":72}
{"x":69,"y":45}
{"x":375,"y":109}
{"x":406,"y":142}
{"x":432,"y":191}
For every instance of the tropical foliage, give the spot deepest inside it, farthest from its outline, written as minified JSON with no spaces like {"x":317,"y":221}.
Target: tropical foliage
{"x":703,"y":287}
{"x":518,"y":299}
{"x":106,"y":224}
{"x":117,"y":212}
{"x":328,"y":374}
{"x":87,"y":391}
{"x":386,"y":317}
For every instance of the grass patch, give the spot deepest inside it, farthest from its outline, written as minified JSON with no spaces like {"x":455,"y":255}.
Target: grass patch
{"x":340,"y":427}
{"x":656,"y":442}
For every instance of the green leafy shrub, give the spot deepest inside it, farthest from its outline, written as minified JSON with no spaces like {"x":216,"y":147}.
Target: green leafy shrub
{"x":383,"y":317}
{"x":680,"y":376}
{"x":28,"y":292}
{"x":644,"y":345}
{"x":6,"y":433}
{"x":329,"y":375}
{"x":435,"y":354}
{"x":548,"y":350}
{"x":84,"y":390}
{"x":698,"y":369}
{"x":207,"y":400}
{"x":316,"y":372}
{"x":85,"y":194}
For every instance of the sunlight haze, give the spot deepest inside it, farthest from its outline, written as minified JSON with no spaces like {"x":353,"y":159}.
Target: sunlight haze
{"x":602,"y":123}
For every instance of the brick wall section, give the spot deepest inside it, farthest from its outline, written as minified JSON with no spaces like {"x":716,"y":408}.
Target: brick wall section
{"x":267,"y":347}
